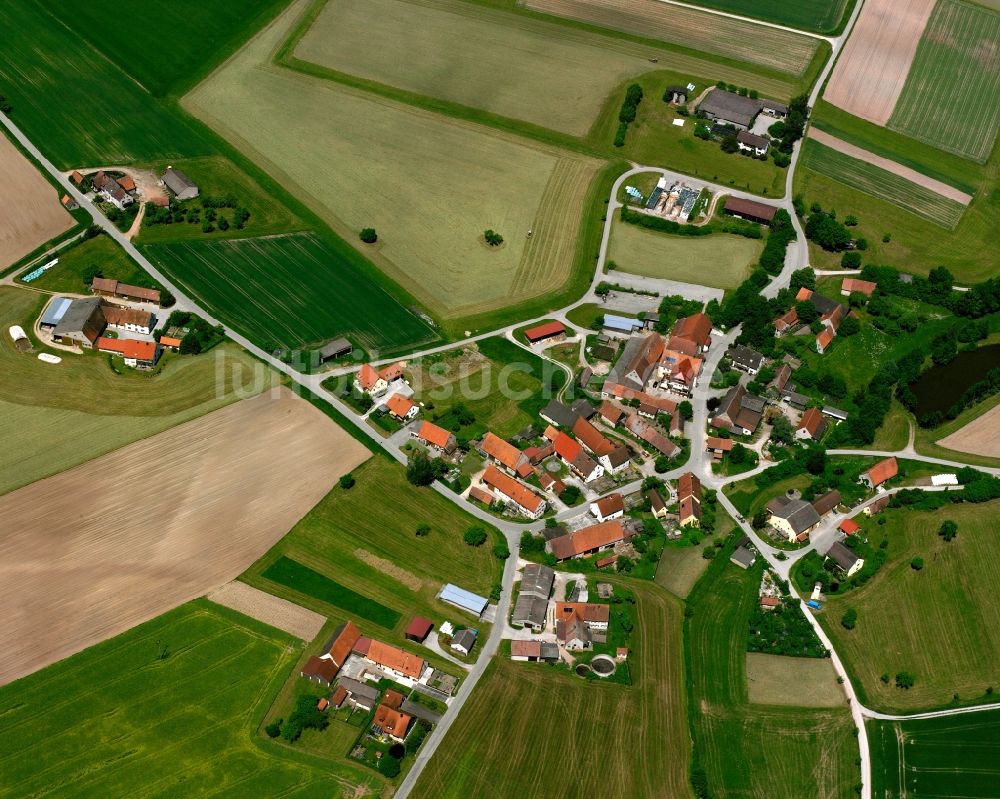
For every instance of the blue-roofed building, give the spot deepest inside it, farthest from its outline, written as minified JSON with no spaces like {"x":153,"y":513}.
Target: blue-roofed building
{"x":621,"y":325}
{"x":55,"y":312}
{"x":460,"y":598}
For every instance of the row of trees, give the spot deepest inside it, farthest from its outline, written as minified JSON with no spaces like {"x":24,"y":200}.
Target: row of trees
{"x":633,"y":96}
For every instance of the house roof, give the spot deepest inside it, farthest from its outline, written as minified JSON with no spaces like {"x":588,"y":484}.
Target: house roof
{"x":525,"y":649}
{"x":393,"y":371}
{"x":813,"y":423}
{"x":752,"y":140}
{"x":827,"y":502}
{"x":530,"y":609}
{"x":338,"y":345}
{"x":342,"y":642}
{"x":76,"y":177}
{"x":464,"y":638}
{"x":637,"y":361}
{"x":559,"y":414}
{"x":463,"y":599}
{"x":587,"y":539}
{"x":696,"y":328}
{"x":774,"y":105}
{"x":393,"y":699}
{"x":481,"y":494}
{"x":128,"y":348}
{"x":358,"y":690}
{"x":435,"y":435}
{"x":739,"y":205}
{"x":392,"y":721}
{"x":882,"y":471}
{"x":652,"y":436}
{"x":367,"y":377}
{"x":611,"y":412}
{"x":169,"y":341}
{"x":623,"y":392}
{"x":544,"y":331}
{"x":730,"y":106}
{"x":688,"y":508}
{"x":619,"y":456}
{"x":781,"y":377}
{"x":316,"y":666}
{"x":177,"y":181}
{"x":537,"y":580}
{"x":681,"y":367}
{"x":849,"y":527}
{"x":612,"y":503}
{"x":127,"y":316}
{"x":502,"y":451}
{"x":803,"y":294}
{"x":127,"y":183}
{"x":589,"y":612}
{"x":125,"y":289}
{"x":396,"y":659}
{"x":770,"y":601}
{"x":656,"y":501}
{"x":824,"y":338}
{"x":688,"y":485}
{"x":591,"y":437}
{"x":623,"y":323}
{"x":419,"y":627}
{"x":338,"y":696}
{"x":746,"y":356}
{"x":713,"y":442}
{"x":836,"y":413}
{"x":799,"y":514}
{"x":601,"y":563}
{"x":850,"y":285}
{"x":842,"y":556}
{"x":399,"y":405}
{"x":512,"y":489}
{"x":744,"y":557}
{"x":785,"y":321}
{"x":565,"y":447}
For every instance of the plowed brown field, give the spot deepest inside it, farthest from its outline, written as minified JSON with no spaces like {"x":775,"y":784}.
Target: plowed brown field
{"x":96,"y":550}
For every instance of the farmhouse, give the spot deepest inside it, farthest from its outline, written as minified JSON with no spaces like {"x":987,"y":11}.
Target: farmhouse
{"x":131,"y":319}
{"x":794,"y":518}
{"x":340,"y":645}
{"x":786,"y":322}
{"x":823,"y":340}
{"x":746,"y":359}
{"x":534,"y":651}
{"x":692,"y":335}
{"x":436,"y":438}
{"x":524,"y":501}
{"x":533,"y":599}
{"x":576,"y":623}
{"x":880,"y":472}
{"x":401,"y":407}
{"x":460,"y":598}
{"x":827,"y":502}
{"x":392,"y":660}
{"x":679,"y":373}
{"x":592,"y":438}
{"x":849,"y":527}
{"x":718,"y":445}
{"x":751,"y":210}
{"x":847,"y":560}
{"x":182,"y":187}
{"x":504,"y":454}
{"x":611,"y":413}
{"x":137,"y":354}
{"x":851,"y":285}
{"x":335,"y":349}
{"x":610,"y":507}
{"x":729,"y":108}
{"x":418,"y":629}
{"x":689,"y":499}
{"x":320,"y":670}
{"x":751,"y":143}
{"x":566,"y":415}
{"x":571,"y":453}
{"x":81,"y":322}
{"x":112,"y":288}
{"x":391,"y":723}
{"x":359,"y":694}
{"x":463,"y":641}
{"x":546,"y":331}
{"x":587,"y":540}
{"x":111,"y":190}
{"x":812,"y":426}
{"x":651,"y":436}
{"x":637,"y":363}
{"x":739,"y":412}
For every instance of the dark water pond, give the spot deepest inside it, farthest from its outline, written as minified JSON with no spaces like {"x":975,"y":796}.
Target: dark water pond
{"x":939,"y":388}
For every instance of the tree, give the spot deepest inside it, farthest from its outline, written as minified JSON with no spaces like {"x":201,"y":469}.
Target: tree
{"x":917,"y":564}
{"x":423,"y":529}
{"x":851,"y":220}
{"x":493,"y":238}
{"x":686,"y":410}
{"x":816,"y":460}
{"x":738,"y":455}
{"x":759,"y":520}
{"x":661,"y":464}
{"x":389,"y":766}
{"x":475,"y":536}
{"x":368,"y":235}
{"x":501,"y":551}
{"x":571,"y":495}
{"x":729,"y":143}
{"x":807,"y":312}
{"x":849,"y":619}
{"x":851,"y":259}
{"x":849,"y":327}
{"x":904,"y":680}
{"x":347,"y":481}
{"x":804,"y":277}
{"x":781,"y":430}
{"x":948,"y":530}
{"x":419,"y":470}
{"x":223,"y":223}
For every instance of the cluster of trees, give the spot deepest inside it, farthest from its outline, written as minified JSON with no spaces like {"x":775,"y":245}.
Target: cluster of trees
{"x":475,"y":536}
{"x":976,"y":487}
{"x":185,"y":212}
{"x":673,"y":308}
{"x":633,"y":96}
{"x":823,"y":228}
{"x":492,"y":238}
{"x":368,"y":235}
{"x":850,"y":619}
{"x":422,"y":470}
{"x":980,"y":300}
{"x":790,"y":130}
{"x":784,"y":631}
{"x":200,"y":336}
{"x":305,"y":716}
{"x":936,"y":288}
{"x":742,"y":91}
{"x":4,"y":105}
{"x":779,"y":236}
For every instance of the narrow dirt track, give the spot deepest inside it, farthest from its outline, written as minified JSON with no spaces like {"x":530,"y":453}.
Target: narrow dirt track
{"x":96,"y":550}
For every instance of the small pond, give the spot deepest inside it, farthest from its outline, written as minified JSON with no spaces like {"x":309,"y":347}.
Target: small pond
{"x":940,"y":387}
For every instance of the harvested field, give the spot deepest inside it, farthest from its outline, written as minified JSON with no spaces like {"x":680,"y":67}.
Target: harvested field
{"x":429,"y":184}
{"x":294,"y":619}
{"x":387,"y":567}
{"x":96,"y":550}
{"x":799,"y":682}
{"x":32,"y":213}
{"x":462,"y":52}
{"x":952,"y":95}
{"x":777,"y":49}
{"x":979,"y":437}
{"x":877,"y":182}
{"x":872,"y":69}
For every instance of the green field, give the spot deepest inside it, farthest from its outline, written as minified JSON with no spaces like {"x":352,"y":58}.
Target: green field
{"x":294,"y":575}
{"x":937,"y":623}
{"x":748,"y":750}
{"x":167,"y":47}
{"x":59,"y":416}
{"x":291,"y":291}
{"x":823,"y":16}
{"x":76,"y":260}
{"x":535,"y":731}
{"x":948,"y":758}
{"x":951,"y":98}
{"x":720,"y":260}
{"x":882,"y":184}
{"x":77,"y":106}
{"x":430,"y":186}
{"x":695,"y":30}
{"x":364,"y":539}
{"x":120,"y":720}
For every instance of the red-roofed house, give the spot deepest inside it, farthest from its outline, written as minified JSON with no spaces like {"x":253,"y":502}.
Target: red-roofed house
{"x":720,"y":445}
{"x":571,"y":453}
{"x":850,"y":285}
{"x":691,"y":335}
{"x":395,"y":661}
{"x":689,"y":499}
{"x":769,"y":602}
{"x":341,"y":643}
{"x":591,"y":437}
{"x":786,"y":322}
{"x":542,"y":332}
{"x":391,"y":723}
{"x":418,"y":629}
{"x":680,"y":371}
{"x":849,"y":527}
{"x":803,"y":294}
{"x":171,"y":342}
{"x":811,"y":426}
{"x":402,"y":408}
{"x":483,"y":495}
{"x":369,"y":381}
{"x":880,"y":472}
{"x":319,"y":670}
{"x":391,"y":373}
{"x":587,"y":540}
{"x":823,"y":340}
{"x":139,"y":354}
{"x":525,"y":501}
{"x":610,"y":507}
{"x":503,"y":453}
{"x":435,"y":437}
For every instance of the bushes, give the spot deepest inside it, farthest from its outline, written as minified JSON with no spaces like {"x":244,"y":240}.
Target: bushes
{"x":780,"y":235}
{"x":305,"y":716}
{"x":416,"y":736}
{"x":826,"y":231}
{"x":851,"y":260}
{"x":200,"y":336}
{"x":850,"y":619}
{"x":784,"y":631}
{"x":492,"y":238}
{"x":633,"y":96}
{"x":368,"y":235}
{"x":475,"y":536}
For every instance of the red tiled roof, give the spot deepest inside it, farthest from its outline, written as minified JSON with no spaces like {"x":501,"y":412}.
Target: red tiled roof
{"x":784,"y":322}
{"x":419,"y":627}
{"x":393,"y":371}
{"x":849,"y":527}
{"x":688,"y":485}
{"x":759,"y":210}
{"x":362,"y":645}
{"x":550,"y":433}
{"x":367,"y":377}
{"x":882,"y":471}
{"x":323,"y":703}
{"x":769,"y":601}
{"x":623,"y":392}
{"x":603,"y":563}
{"x":512,"y":489}
{"x":392,"y":721}
{"x":725,"y":444}
{"x":393,"y":699}
{"x":612,"y":503}
{"x":591,"y":437}
{"x":482,"y":495}
{"x":824,"y":338}
{"x":76,"y":177}
{"x":544,"y":331}
{"x":392,"y":657}
{"x":399,"y":405}
{"x":119,"y":317}
{"x":338,"y":696}
{"x":587,"y":539}
{"x":812,"y":422}
{"x":127,"y":183}
{"x":502,"y":451}
{"x":696,"y":328}
{"x":525,"y":649}
{"x":587,"y":611}
{"x":319,"y":667}
{"x":850,"y":285}
{"x":566,"y":447}
{"x":435,"y":435}
{"x":611,"y":412}
{"x":803,"y":294}
{"x":689,"y":508}
{"x":343,"y":644}
{"x":128,"y":348}
{"x":170,"y":341}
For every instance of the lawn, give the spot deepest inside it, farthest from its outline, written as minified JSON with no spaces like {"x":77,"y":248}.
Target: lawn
{"x":219,"y":177}
{"x":680,"y":568}
{"x":365,"y":540}
{"x":57,"y":417}
{"x":292,"y":291}
{"x":75,"y":104}
{"x":882,"y":184}
{"x":795,"y":681}
{"x":951,"y":757}
{"x":168,"y":708}
{"x":198,"y":34}
{"x":937,"y":623}
{"x":75,"y":262}
{"x":526,"y":717}
{"x":747,"y":750}
{"x":429,"y":185}
{"x":720,"y":260}
{"x":951,"y":98}
{"x":823,"y":16}
{"x":771,"y":48}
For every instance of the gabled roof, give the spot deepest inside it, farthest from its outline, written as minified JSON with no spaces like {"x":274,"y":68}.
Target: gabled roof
{"x":799,"y":514}
{"x":592,"y":438}
{"x":781,"y":377}
{"x":827,"y":502}
{"x":688,"y":508}
{"x":688,"y":485}
{"x":813,"y":423}
{"x":544,"y":331}
{"x":612,"y":503}
{"x":502,"y":451}
{"x":713,"y":442}
{"x":824,"y":338}
{"x":435,"y":435}
{"x":392,"y":721}
{"x":696,"y":328}
{"x":866,"y":287}
{"x":589,"y":612}
{"x":623,"y":392}
{"x":559,"y":413}
{"x":637,"y":361}
{"x":419,"y":627}
{"x":744,"y":356}
{"x":342,"y":642}
{"x":367,"y":377}
{"x":656,"y":501}
{"x":730,"y":106}
{"x":588,"y":538}
{"x":787,"y":320}
{"x":882,"y":471}
{"x":393,"y":371}
{"x":611,"y":412}
{"x":316,"y":666}
{"x":849,"y":527}
{"x":128,"y":348}
{"x":399,"y":405}
{"x":177,"y":181}
{"x":842,"y":556}
{"x":744,"y":207}
{"x":566,"y":447}
{"x":803,"y":294}
{"x":752,"y":140}
{"x":512,"y":489}
{"x":392,"y":657}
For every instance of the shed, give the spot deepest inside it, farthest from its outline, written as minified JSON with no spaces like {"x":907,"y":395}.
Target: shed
{"x":622,"y":324}
{"x":834,"y":413}
{"x":418,"y":629}
{"x":335,"y":349}
{"x":545,"y":331}
{"x":54,"y":313}
{"x":751,"y":210}
{"x":180,"y":184}
{"x":460,"y":598}
{"x":743,"y":558}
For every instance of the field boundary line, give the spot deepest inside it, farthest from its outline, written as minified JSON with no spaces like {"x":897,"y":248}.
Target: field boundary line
{"x":765,"y":23}
{"x":889,"y":165}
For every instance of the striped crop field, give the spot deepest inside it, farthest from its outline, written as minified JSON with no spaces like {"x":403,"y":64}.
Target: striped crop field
{"x":951,"y":98}
{"x":884,"y":185}
{"x":291,"y":291}
{"x":780,"y":50}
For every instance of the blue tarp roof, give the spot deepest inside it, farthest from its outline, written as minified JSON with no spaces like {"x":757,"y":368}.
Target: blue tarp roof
{"x":56,"y":309}
{"x":621,"y":322}
{"x":463,"y":599}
